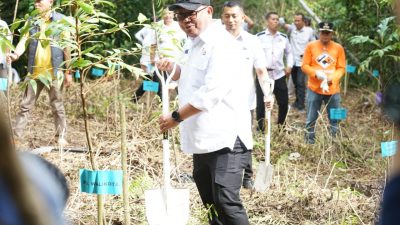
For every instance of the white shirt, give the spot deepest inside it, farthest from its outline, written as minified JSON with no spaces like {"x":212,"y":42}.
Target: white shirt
{"x":210,"y":81}
{"x":3,"y":25}
{"x":142,"y":33}
{"x":299,"y":40}
{"x":276,"y":47}
{"x":253,"y":56}
{"x":170,"y":39}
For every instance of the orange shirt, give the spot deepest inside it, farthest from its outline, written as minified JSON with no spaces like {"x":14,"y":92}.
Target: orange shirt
{"x":330,"y":59}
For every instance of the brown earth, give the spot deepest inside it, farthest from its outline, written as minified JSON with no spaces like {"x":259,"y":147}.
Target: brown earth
{"x":332,"y":182}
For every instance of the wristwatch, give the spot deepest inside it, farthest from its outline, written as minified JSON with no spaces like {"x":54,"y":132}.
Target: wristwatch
{"x":176,"y":116}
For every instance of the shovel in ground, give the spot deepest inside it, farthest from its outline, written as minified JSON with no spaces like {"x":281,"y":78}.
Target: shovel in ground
{"x":265,"y":169}
{"x":166,"y":205}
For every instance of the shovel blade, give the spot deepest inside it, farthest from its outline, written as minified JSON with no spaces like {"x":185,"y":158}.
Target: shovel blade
{"x":263,"y":177}
{"x":174,"y":211}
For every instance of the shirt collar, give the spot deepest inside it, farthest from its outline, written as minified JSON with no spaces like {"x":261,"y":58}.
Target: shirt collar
{"x":240,"y":36}
{"x":267,"y":32}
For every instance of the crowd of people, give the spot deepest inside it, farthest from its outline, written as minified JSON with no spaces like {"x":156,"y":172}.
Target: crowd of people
{"x":217,"y":89}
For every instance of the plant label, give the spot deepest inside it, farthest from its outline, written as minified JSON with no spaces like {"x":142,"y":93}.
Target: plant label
{"x":3,"y":84}
{"x":97,"y":72}
{"x":375,"y":73}
{"x":350,"y":69}
{"x":101,"y":181}
{"x":150,"y":86}
{"x":338,"y":114}
{"x":388,"y":148}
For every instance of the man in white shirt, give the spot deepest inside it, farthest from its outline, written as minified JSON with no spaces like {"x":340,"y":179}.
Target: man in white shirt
{"x":168,"y":37}
{"x":233,"y":18}
{"x":4,"y":30}
{"x":300,"y":36}
{"x":276,"y":47}
{"x":214,"y":116}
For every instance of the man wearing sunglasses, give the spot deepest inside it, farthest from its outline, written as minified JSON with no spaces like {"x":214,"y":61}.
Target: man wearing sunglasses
{"x":324,"y":63}
{"x":214,"y":125}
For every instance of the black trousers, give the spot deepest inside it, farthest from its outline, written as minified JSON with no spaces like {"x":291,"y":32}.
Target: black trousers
{"x":218,"y":177}
{"x":248,"y":169}
{"x":282,"y":97}
{"x":299,"y":81}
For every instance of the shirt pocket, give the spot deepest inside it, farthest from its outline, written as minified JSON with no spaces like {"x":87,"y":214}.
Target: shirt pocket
{"x":198,"y":65}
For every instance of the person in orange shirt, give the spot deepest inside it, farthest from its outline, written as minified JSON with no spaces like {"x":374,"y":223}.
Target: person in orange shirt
{"x":324,"y":63}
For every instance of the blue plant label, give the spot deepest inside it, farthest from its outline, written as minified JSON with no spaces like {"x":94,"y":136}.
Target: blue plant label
{"x":150,"y":86}
{"x":338,"y":114}
{"x":375,"y":73}
{"x":389,"y":148}
{"x":77,"y":74}
{"x":97,"y":72}
{"x":3,"y":84}
{"x":350,"y":69}
{"x":101,"y":181}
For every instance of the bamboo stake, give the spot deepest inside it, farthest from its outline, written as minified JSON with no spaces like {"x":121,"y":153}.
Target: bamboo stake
{"x":124,"y":160}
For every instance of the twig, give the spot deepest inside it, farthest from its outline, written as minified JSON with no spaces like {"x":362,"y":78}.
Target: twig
{"x":124,"y":158}
{"x":354,"y":210}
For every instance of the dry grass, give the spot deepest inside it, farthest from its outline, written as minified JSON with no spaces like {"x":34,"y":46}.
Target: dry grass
{"x":332,"y":182}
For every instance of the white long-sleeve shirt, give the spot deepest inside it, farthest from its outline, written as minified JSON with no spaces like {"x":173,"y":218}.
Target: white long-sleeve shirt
{"x":170,"y":39}
{"x":276,"y":47}
{"x":210,"y":81}
{"x":253,"y":56}
{"x":4,"y":26}
{"x":299,"y":40}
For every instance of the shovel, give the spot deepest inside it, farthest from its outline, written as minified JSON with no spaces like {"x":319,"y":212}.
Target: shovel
{"x":166,"y":205}
{"x":265,"y":169}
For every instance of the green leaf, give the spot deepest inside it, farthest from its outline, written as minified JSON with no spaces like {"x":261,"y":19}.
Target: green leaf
{"x":90,"y":55}
{"x":101,"y":66}
{"x":142,"y":18}
{"x":81,"y":63}
{"x":33,"y":83}
{"x":86,"y":7}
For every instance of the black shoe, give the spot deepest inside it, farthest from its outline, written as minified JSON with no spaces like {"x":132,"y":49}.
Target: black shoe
{"x":300,"y":108}
{"x":247,"y":184}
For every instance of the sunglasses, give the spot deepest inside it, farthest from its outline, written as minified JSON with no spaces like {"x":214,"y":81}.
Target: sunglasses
{"x":192,"y":15}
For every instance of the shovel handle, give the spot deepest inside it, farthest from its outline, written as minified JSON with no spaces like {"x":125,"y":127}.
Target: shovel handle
{"x":165,"y":80}
{"x":268,"y":139}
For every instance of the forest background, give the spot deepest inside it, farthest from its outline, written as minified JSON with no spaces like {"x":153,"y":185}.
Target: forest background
{"x":365,"y":28}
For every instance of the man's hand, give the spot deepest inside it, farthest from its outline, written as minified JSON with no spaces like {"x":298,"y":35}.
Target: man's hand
{"x":269,"y":102}
{"x":320,"y":75}
{"x":68,"y":79}
{"x":324,"y":85}
{"x":166,"y":122}
{"x":165,"y":64}
{"x":288,"y":71}
{"x":282,"y":21}
{"x":11,"y":57}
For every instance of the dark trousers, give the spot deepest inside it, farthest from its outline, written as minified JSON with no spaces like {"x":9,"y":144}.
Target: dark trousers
{"x":248,"y":169}
{"x":282,"y":97}
{"x":299,"y":81}
{"x":218,"y":177}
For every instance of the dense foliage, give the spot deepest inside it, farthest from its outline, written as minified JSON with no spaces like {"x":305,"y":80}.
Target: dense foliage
{"x":352,"y":18}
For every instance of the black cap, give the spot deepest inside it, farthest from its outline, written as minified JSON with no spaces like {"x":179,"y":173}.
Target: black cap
{"x":188,"y":4}
{"x":325,"y":26}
